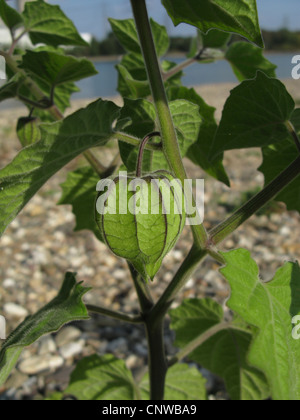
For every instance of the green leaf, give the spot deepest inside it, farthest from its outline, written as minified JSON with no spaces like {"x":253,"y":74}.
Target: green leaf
{"x":199,"y":150}
{"x":10,"y":89}
{"x":239,"y":17}
{"x":64,"y":308}
{"x":48,"y":24}
{"x":28,"y":131}
{"x":215,"y":39}
{"x":102,"y":378}
{"x":187,"y":121}
{"x":254,"y":115}
{"x":142,"y":115}
{"x":129,"y":87}
{"x":79,"y":190}
{"x":246,"y":59}
{"x":126,"y":33}
{"x":269,"y":306}
{"x":224,"y":353}
{"x":55,"y":68}
{"x":133,"y":82}
{"x":182,"y":383}
{"x":278,"y":157}
{"x":10,"y":16}
{"x":61,"y":142}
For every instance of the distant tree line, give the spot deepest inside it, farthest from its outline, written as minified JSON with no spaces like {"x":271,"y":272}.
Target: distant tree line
{"x":281,"y":40}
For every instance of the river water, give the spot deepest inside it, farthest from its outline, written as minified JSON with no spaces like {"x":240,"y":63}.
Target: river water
{"x":104,"y":84}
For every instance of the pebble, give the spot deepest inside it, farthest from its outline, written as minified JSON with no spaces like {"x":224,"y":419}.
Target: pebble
{"x":132,"y":361}
{"x":16,"y":380}
{"x":67,"y":335}
{"x":37,"y":364}
{"x":15,"y":310}
{"x":120,"y":345}
{"x":119,"y":274}
{"x":72,"y":349}
{"x":47,"y":345}
{"x":8,"y":283}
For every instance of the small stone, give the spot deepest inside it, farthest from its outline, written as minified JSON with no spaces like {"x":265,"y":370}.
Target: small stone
{"x":141,"y":350}
{"x":8,"y":283}
{"x":67,"y":335}
{"x":6,"y":241}
{"x":119,"y":344}
{"x":168,"y":277}
{"x":47,"y":346}
{"x":119,"y":274}
{"x":177,"y":255}
{"x":55,"y":362}
{"x":285,"y":231}
{"x":16,"y":380}
{"x":37,"y":364}
{"x":72,"y":349}
{"x":132,"y":361}
{"x":15,"y":310}
{"x":210,"y":379}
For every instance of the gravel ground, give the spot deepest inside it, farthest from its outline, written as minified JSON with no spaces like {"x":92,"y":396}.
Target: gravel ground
{"x":40,"y":246}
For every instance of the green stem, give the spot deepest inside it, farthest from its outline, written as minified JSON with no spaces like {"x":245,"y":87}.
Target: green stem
{"x":198,"y":341}
{"x":184,"y":273}
{"x":157,"y":360}
{"x":167,"y":129}
{"x":198,"y":57}
{"x":141,"y":152}
{"x":293,"y":133}
{"x":134,"y":141}
{"x":167,"y":75}
{"x":114,"y":314}
{"x":221,"y":232}
{"x":15,"y":42}
{"x":95,"y":163}
{"x":143,"y":292}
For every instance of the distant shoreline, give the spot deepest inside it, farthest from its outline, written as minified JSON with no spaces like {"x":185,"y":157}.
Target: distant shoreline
{"x":174,"y":55}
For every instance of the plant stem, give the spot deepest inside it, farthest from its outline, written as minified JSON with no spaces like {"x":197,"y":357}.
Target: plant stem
{"x":294,"y":134}
{"x":157,"y":359}
{"x":167,"y":75}
{"x":143,"y":292}
{"x":184,"y":273}
{"x":198,"y":341}
{"x":198,"y":57}
{"x":134,"y":141}
{"x":114,"y":314}
{"x":219,"y":233}
{"x":167,"y":129}
{"x":95,"y":163}
{"x":141,"y":152}
{"x":15,"y":42}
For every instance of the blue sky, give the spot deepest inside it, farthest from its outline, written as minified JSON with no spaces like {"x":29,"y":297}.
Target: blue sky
{"x":91,"y":15}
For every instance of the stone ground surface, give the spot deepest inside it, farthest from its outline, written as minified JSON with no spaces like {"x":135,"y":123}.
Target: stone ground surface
{"x":40,"y":246}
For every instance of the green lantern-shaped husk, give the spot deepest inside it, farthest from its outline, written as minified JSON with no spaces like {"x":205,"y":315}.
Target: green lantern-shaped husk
{"x":141,"y":219}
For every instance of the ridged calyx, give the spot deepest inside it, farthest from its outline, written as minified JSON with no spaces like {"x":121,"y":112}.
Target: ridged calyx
{"x":141,"y":219}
